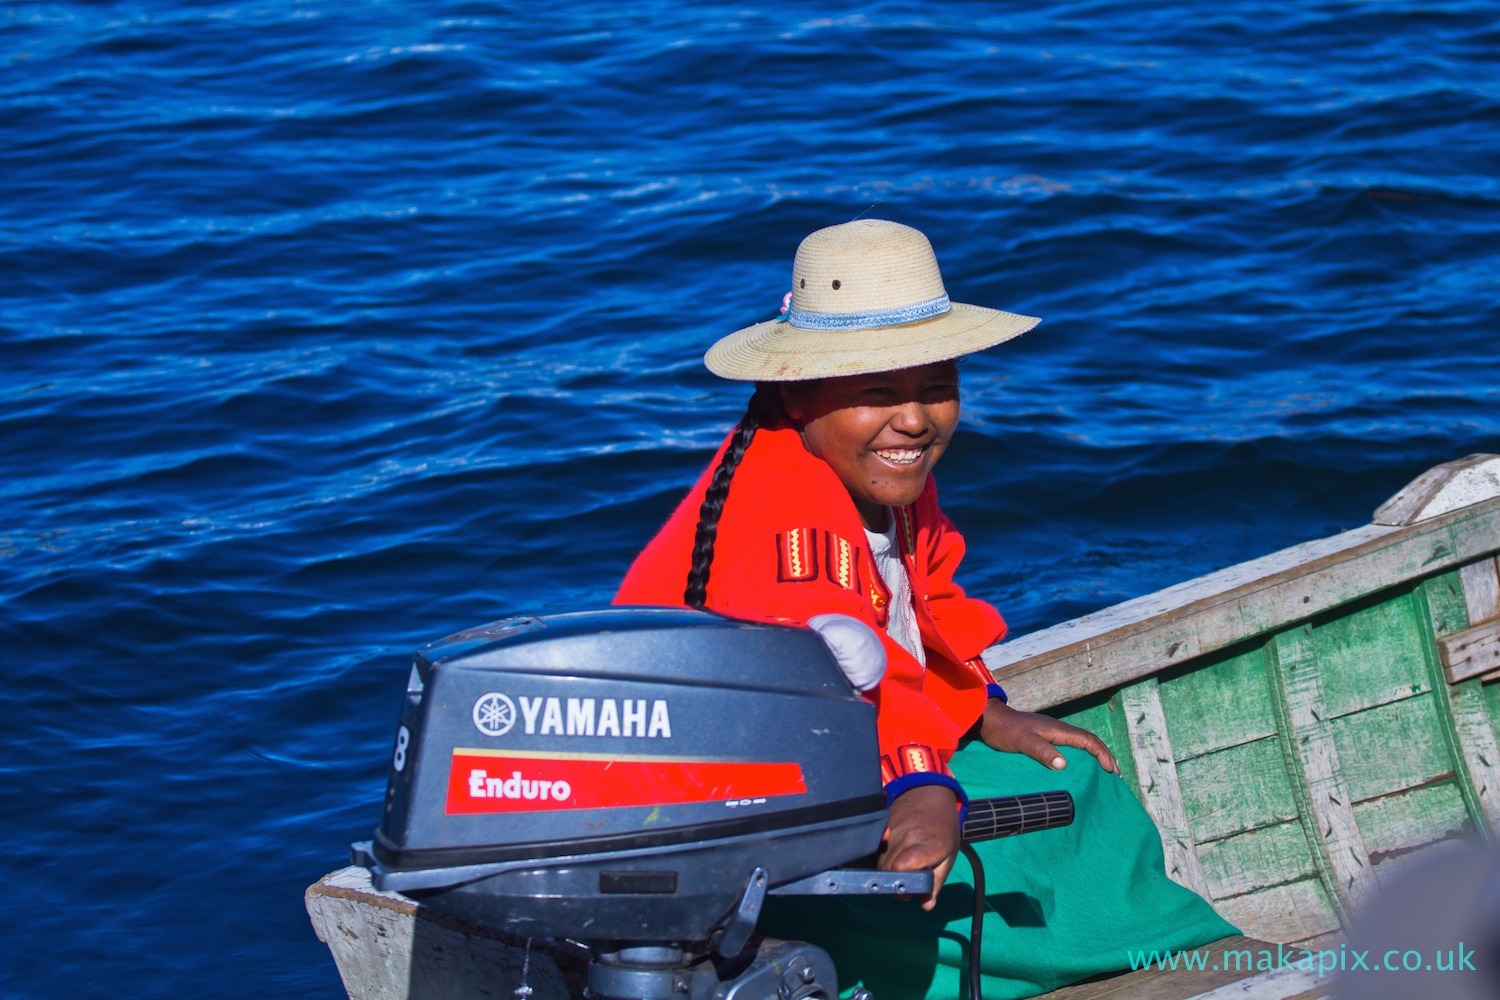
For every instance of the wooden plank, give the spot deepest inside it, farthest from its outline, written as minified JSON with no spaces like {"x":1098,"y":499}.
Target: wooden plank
{"x":1098,"y":720}
{"x":389,"y":947}
{"x":1107,"y":721}
{"x":1470,"y":653}
{"x":1219,"y":705}
{"x":1237,"y":789}
{"x":1129,"y":641}
{"x":1328,"y":939}
{"x":1481,"y":588}
{"x":1393,"y":866}
{"x":1151,"y":750}
{"x":1409,"y":819}
{"x":1393,"y":747}
{"x":1312,"y":752}
{"x":1480,"y":748}
{"x":1472,"y":740}
{"x":1245,"y":862}
{"x":1442,"y":488}
{"x":1446,"y":613}
{"x":1292,"y":912}
{"x":1281,"y":984}
{"x":1170,"y":984}
{"x":1370,"y":657}
{"x":1120,"y":737}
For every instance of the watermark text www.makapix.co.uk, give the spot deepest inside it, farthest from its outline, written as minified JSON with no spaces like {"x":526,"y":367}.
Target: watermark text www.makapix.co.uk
{"x":1321,"y":962}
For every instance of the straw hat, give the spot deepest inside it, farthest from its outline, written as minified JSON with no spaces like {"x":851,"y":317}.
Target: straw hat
{"x":866,"y":297}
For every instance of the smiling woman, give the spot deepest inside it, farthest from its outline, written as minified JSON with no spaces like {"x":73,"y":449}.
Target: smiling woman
{"x":822,"y":502}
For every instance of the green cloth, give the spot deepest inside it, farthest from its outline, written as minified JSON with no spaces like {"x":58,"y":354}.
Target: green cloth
{"x":1065,"y":904}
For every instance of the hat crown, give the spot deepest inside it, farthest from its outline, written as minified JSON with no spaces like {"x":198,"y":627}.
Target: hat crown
{"x":864,"y":266}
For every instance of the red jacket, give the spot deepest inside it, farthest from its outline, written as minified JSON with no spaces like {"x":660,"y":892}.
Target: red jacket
{"x":791,"y":545}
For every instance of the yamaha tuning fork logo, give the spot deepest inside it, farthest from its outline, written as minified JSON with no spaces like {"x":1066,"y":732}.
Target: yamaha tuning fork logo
{"x":494,"y":714}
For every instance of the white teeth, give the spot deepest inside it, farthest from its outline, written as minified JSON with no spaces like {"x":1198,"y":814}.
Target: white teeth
{"x":901,"y":456}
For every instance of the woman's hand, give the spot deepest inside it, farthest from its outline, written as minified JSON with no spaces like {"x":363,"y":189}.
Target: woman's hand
{"x":1038,"y":736}
{"x":922,"y":833}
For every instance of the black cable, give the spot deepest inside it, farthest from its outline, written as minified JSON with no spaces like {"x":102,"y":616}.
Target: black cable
{"x":990,"y":819}
{"x":976,"y":925}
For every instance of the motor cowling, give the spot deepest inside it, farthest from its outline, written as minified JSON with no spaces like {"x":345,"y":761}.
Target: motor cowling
{"x":619,"y":774}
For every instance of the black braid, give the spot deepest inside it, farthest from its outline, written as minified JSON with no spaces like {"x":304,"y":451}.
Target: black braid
{"x":764,"y":408}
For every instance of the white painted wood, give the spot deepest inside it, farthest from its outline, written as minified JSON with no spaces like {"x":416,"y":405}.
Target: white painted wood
{"x":1139,"y":637}
{"x":1151,"y":748}
{"x":1481,"y":750}
{"x":1280,"y":984}
{"x":1283,"y":913}
{"x":388,"y":947}
{"x":1310,"y":736}
{"x":1470,"y":653}
{"x":1481,"y":591}
{"x":1441,"y":489}
{"x":1477,"y":481}
{"x":1389,"y":870}
{"x":1245,"y":862}
{"x":1466,"y":720}
{"x":1101,"y":626}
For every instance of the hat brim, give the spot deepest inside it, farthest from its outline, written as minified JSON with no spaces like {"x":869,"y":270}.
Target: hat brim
{"x":776,"y":351}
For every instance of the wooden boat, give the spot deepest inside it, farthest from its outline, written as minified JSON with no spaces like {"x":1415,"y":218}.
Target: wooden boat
{"x":1301,"y":727}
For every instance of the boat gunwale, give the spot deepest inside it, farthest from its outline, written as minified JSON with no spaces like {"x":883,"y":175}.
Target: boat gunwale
{"x":1135,"y":639}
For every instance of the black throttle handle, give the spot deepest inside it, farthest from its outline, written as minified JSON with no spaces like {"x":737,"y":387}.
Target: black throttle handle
{"x":1008,"y":815}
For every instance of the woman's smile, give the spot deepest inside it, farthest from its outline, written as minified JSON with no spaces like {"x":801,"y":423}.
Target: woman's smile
{"x":901,"y":457}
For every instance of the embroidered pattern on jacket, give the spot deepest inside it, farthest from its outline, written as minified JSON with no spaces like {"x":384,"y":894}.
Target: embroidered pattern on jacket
{"x":912,"y":758}
{"x":842,"y":562}
{"x":978,"y":668}
{"x":797,"y":555}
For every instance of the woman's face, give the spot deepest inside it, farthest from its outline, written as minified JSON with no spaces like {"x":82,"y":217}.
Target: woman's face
{"x":881,"y":433}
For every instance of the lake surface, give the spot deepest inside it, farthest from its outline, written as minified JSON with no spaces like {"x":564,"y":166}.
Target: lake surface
{"x":327,"y":329}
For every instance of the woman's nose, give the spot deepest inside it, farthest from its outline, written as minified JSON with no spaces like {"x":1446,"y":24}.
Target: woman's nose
{"x":910,"y":418}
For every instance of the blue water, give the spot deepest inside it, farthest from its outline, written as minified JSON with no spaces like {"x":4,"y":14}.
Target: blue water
{"x":330,"y":328}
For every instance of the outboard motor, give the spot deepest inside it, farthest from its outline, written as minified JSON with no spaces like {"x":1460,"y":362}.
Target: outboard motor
{"x":640,"y":780}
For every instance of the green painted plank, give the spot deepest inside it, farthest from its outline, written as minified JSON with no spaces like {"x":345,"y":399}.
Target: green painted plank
{"x":1096,"y":719}
{"x":1314,"y":765}
{"x":1393,"y":866}
{"x":1491,"y":694}
{"x":1285,"y":913}
{"x":1107,"y":722}
{"x":1471,"y":744}
{"x":1221,"y":704}
{"x":1393,"y":747}
{"x":1445,"y":596}
{"x":1481,"y":747}
{"x":1246,"y":862}
{"x":1237,"y":789}
{"x":1371,"y":657}
{"x":1151,"y":745}
{"x":1409,"y":819}
{"x":1120,"y":737}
